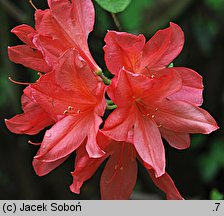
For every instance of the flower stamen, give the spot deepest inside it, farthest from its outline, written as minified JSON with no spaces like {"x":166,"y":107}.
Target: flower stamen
{"x":118,"y":166}
{"x":33,"y":143}
{"x":19,"y":83}
{"x":32,"y":4}
{"x":70,"y":110}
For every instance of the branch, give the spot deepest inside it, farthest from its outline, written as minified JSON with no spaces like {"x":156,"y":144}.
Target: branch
{"x":116,"y":21}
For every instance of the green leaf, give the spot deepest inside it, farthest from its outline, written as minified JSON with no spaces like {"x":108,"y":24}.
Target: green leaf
{"x":114,"y":6}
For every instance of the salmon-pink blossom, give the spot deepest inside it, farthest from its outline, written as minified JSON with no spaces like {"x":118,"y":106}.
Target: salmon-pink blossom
{"x":71,"y":98}
{"x":74,"y":97}
{"x":120,"y":173}
{"x":63,"y":26}
{"x":137,"y":56}
{"x":153,"y":101}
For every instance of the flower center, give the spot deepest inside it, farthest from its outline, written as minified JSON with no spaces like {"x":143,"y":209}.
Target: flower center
{"x":148,"y":111}
{"x":71,"y":111}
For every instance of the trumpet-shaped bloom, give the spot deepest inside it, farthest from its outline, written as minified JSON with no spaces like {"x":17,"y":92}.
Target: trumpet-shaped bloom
{"x":74,"y":97}
{"x":120,"y":173}
{"x":158,"y":101}
{"x":66,"y":24}
{"x":137,"y":56}
{"x":145,"y":113}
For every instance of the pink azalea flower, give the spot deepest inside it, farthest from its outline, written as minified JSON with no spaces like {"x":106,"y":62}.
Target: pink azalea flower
{"x":158,"y":101}
{"x":73,"y":96}
{"x":65,"y":25}
{"x":120,"y":173}
{"x":153,"y":101}
{"x":137,"y":56}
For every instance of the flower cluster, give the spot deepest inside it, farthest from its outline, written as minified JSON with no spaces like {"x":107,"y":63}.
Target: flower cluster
{"x":151,"y":100}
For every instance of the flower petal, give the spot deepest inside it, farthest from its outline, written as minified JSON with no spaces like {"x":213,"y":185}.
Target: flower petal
{"x":120,"y":90}
{"x":28,"y":57}
{"x":32,"y":121}
{"x":92,"y":147}
{"x":123,"y":50}
{"x":70,"y":28}
{"x":163,"y":84}
{"x":192,"y":87}
{"x":63,"y":138}
{"x":148,"y":144}
{"x":166,"y":184}
{"x":51,"y":97}
{"x":50,"y":48}
{"x":43,"y":168}
{"x":162,"y":48}
{"x":73,"y":73}
{"x":25,"y":33}
{"x":176,"y":140}
{"x":129,"y":88}
{"x":67,"y":135}
{"x":120,"y":173}
{"x":79,"y":19}
{"x":71,"y":84}
{"x":183,"y":117}
{"x":85,"y":167}
{"x":118,"y":125}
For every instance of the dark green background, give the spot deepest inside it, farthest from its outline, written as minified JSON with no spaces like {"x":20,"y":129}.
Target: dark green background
{"x":197,"y":172}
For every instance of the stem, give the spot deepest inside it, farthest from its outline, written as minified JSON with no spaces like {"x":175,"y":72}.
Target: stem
{"x":110,"y":102}
{"x":111,"y":107}
{"x":103,"y":77}
{"x":116,"y":21}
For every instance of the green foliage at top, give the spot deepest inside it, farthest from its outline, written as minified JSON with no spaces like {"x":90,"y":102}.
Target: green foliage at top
{"x":133,"y":17}
{"x":114,"y":6}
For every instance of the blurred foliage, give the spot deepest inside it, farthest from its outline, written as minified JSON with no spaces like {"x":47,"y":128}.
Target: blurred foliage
{"x":132,"y":17}
{"x":216,"y":195}
{"x":212,"y":162}
{"x":197,"y":171}
{"x":216,"y":5}
{"x":205,"y":33}
{"x":3,"y":86}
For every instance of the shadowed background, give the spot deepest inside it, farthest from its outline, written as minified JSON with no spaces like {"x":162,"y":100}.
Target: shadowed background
{"x":197,"y":171}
